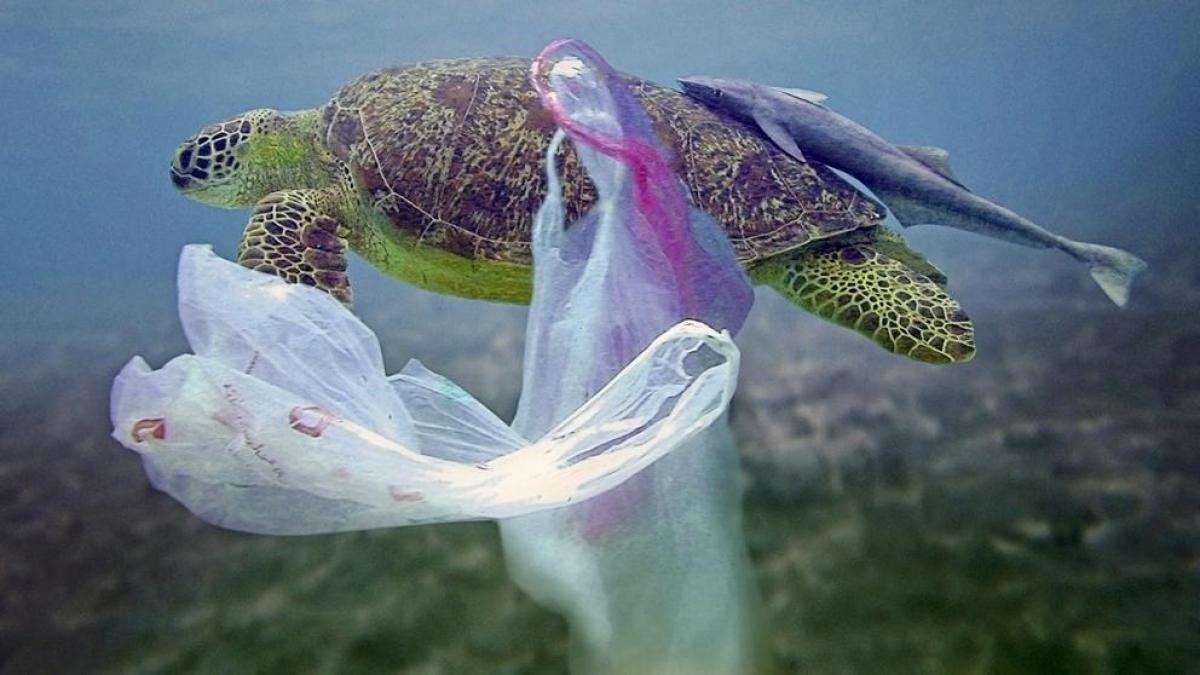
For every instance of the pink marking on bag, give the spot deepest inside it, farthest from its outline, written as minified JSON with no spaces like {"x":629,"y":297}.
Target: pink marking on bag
{"x":153,"y":426}
{"x":404,"y":496}
{"x":658,"y":196}
{"x":301,"y":419}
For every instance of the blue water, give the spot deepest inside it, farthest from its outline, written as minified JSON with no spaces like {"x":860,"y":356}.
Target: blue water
{"x":1074,"y":415}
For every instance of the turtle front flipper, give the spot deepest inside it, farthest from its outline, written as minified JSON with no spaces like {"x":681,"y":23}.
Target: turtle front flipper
{"x":892,"y":245}
{"x":860,"y":287}
{"x":290,"y":235}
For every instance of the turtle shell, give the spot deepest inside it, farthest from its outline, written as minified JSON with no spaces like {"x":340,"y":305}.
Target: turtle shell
{"x":453,"y":153}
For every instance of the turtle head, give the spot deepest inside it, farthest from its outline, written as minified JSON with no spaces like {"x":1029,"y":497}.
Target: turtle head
{"x":239,"y":161}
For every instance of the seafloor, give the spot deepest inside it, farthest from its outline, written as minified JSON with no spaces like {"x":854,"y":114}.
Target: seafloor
{"x":1034,"y":511}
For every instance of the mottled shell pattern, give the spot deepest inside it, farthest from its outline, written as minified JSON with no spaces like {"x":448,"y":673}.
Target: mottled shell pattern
{"x":453,"y":153}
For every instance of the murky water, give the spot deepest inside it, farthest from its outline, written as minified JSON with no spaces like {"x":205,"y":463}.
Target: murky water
{"x":1034,"y":511}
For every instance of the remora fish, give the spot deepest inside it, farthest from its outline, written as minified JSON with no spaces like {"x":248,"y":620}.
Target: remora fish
{"x":914,"y":182}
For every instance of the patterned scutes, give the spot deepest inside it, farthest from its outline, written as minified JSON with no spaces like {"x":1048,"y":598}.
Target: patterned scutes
{"x":452,"y":152}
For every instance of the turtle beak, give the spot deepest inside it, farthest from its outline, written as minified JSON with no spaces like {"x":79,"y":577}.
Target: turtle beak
{"x":186,"y":172}
{"x":180,"y":180}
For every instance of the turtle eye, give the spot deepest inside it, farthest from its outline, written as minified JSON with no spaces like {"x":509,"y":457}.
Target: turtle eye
{"x":235,"y":143}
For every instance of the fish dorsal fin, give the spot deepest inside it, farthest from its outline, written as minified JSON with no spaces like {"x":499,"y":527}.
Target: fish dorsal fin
{"x":936,"y":159}
{"x":803,"y":94}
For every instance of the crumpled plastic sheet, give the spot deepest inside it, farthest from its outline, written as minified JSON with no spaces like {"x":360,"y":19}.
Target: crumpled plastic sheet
{"x":284,"y":422}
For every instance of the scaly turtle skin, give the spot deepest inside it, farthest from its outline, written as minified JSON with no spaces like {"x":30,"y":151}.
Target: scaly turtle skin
{"x":432,"y":172}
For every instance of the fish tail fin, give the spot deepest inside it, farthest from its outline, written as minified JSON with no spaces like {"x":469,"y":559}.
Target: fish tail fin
{"x":1112,"y":268}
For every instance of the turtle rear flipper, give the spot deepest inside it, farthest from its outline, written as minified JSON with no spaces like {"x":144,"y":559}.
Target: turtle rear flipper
{"x":290,"y":236}
{"x":892,"y":245}
{"x":860,"y":287}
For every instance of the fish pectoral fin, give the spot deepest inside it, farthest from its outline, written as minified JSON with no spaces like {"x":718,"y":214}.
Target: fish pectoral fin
{"x":779,"y":136}
{"x":935,"y":159}
{"x":906,"y":210}
{"x":809,"y":95}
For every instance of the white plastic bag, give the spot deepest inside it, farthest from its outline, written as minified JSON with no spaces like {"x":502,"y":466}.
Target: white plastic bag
{"x":283,"y":421}
{"x":652,"y":575}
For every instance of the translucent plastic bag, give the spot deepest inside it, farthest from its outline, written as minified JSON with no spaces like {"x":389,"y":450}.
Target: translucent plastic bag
{"x":630,"y":268}
{"x":283,"y":421}
{"x":652,"y":575}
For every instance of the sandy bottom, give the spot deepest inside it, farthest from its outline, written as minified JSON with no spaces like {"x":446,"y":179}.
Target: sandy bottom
{"x":1035,"y":511}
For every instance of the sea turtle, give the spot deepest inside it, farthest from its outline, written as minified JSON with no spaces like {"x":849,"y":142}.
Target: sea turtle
{"x":432,"y":172}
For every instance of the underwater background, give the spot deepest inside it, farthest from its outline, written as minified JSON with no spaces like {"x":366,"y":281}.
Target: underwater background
{"x":1036,"y":510}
